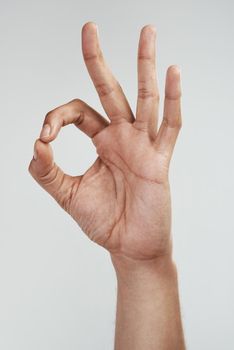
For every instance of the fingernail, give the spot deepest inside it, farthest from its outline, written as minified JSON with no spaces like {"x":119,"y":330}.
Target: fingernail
{"x":45,"y":132}
{"x":35,"y":153}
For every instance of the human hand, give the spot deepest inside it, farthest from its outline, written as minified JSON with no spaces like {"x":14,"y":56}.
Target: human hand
{"x":122,"y":202}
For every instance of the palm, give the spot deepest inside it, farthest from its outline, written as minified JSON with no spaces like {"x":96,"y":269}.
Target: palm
{"x":123,"y":201}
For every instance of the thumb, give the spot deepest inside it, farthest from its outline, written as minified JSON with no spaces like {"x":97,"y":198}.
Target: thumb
{"x":49,"y":176}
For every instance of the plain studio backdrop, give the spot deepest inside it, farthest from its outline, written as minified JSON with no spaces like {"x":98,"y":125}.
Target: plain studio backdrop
{"x":58,"y":289}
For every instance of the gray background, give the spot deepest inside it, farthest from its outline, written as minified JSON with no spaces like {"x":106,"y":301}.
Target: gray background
{"x":57,"y":289}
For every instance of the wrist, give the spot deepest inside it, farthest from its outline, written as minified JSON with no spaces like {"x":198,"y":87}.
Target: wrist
{"x":148,"y":302}
{"x":132,"y":272}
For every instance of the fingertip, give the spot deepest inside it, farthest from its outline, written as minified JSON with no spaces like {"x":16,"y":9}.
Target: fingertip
{"x":42,"y":149}
{"x":50,"y":131}
{"x":174,"y":70}
{"x":90,"y":40}
{"x":42,"y":158}
{"x":45,"y":132}
{"x":89,"y":26}
{"x":149,"y":29}
{"x":173,"y":81}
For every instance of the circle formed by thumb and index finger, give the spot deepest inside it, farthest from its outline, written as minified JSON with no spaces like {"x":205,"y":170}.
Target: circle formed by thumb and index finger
{"x":42,"y":167}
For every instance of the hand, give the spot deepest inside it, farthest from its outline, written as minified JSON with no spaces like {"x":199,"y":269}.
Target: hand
{"x":122,"y":202}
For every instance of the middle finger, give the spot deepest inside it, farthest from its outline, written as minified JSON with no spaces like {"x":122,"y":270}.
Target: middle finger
{"x":109,"y":90}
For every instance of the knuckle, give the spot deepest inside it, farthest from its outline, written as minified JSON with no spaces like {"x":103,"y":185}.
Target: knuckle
{"x":175,"y":123}
{"x":76,"y":101}
{"x":49,"y":176}
{"x":146,"y":93}
{"x":180,"y":124}
{"x":94,"y":56}
{"x":104,"y":89}
{"x":75,"y":105}
{"x":173,"y":97}
{"x":147,"y":58}
{"x":141,"y":125}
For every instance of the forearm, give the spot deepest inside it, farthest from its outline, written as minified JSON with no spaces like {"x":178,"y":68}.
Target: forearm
{"x":148,"y":311}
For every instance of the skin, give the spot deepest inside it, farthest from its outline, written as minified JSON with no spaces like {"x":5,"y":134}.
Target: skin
{"x":122,"y":202}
